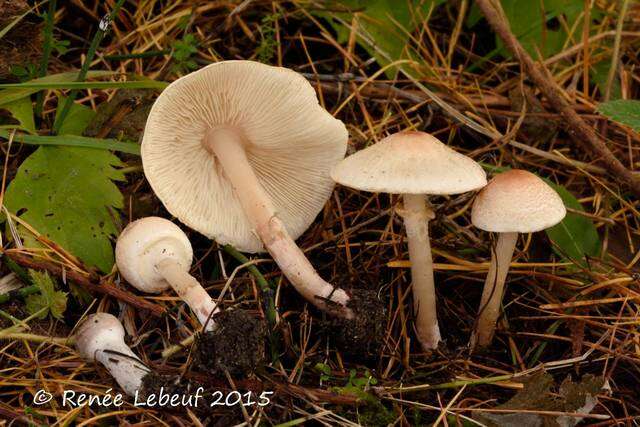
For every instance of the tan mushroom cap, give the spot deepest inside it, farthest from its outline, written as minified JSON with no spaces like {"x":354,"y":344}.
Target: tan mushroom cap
{"x":517,"y":201}
{"x":410,"y":163}
{"x":291,"y":143}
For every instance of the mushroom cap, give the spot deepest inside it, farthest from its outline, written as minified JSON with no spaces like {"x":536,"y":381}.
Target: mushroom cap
{"x":96,"y":333}
{"x":143,"y":244}
{"x":290,"y":140}
{"x":517,"y":201}
{"x":410,"y":163}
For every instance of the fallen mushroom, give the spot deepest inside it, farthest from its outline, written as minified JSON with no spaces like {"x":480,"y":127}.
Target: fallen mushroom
{"x":513,"y":202}
{"x":153,"y":254}
{"x":241,"y":152}
{"x":414,"y":164}
{"x":101,"y":338}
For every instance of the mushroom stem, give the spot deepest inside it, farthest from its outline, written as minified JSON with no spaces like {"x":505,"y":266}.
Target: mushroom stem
{"x":189,"y":290}
{"x":123,"y":365}
{"x":229,"y":150}
{"x":416,"y":214}
{"x":493,"y":290}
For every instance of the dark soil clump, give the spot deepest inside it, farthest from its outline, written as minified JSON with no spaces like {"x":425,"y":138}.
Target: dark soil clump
{"x":153,"y":383}
{"x":363,"y":335}
{"x":236,"y":345}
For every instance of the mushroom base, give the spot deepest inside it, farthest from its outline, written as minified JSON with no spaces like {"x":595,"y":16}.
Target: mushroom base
{"x":363,"y":335}
{"x":235,"y":346}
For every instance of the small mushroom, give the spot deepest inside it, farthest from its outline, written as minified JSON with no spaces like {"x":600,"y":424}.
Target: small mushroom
{"x":153,"y":254}
{"x":414,"y":164}
{"x":241,"y":152}
{"x":101,"y":338}
{"x":513,"y":202}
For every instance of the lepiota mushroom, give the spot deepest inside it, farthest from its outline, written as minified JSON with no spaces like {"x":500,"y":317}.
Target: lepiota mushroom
{"x":241,"y":152}
{"x":153,"y":254}
{"x":101,"y":338}
{"x":513,"y":202}
{"x":414,"y":164}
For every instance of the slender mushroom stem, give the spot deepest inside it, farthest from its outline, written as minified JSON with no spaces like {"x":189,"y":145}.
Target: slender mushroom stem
{"x":416,"y":214}
{"x":493,"y":290}
{"x":189,"y":290}
{"x":123,"y":365}
{"x":229,"y":150}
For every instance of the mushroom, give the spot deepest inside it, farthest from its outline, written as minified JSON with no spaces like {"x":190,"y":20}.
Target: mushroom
{"x":241,"y":152}
{"x":513,"y":202}
{"x":414,"y":164}
{"x":101,"y":338}
{"x":153,"y":254}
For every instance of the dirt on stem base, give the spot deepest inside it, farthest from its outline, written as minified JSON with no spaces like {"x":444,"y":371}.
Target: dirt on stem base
{"x":236,"y":345}
{"x":362,"y":336}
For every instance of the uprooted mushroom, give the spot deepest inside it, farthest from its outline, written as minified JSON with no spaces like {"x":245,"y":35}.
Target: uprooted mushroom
{"x":100,"y":338}
{"x":153,"y":254}
{"x":241,"y":152}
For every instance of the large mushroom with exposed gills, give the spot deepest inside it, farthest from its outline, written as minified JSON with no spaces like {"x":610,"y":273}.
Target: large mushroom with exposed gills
{"x":513,"y":202}
{"x":241,"y":152}
{"x":414,"y":165}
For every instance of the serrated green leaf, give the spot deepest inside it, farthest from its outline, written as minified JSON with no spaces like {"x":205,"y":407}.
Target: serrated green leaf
{"x":65,"y":193}
{"x":55,"y":302}
{"x":623,"y":111}
{"x":575,"y":236}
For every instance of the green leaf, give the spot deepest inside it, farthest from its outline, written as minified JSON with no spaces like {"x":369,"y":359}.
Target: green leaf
{"x":622,"y":111}
{"x":576,"y":236}
{"x":65,"y":193}
{"x":22,"y":110}
{"x":21,"y":90}
{"x":537,"y":26}
{"x":77,"y":119}
{"x":55,"y":302}
{"x":385,"y":24}
{"x":599,"y":75}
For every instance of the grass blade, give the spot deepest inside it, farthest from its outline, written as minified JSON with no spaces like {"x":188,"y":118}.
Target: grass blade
{"x":75,"y":141}
{"x":103,"y":27}
{"x":13,"y":92}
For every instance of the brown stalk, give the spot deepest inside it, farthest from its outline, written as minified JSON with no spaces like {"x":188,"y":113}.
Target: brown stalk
{"x":579,"y":130}
{"x":91,"y":283}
